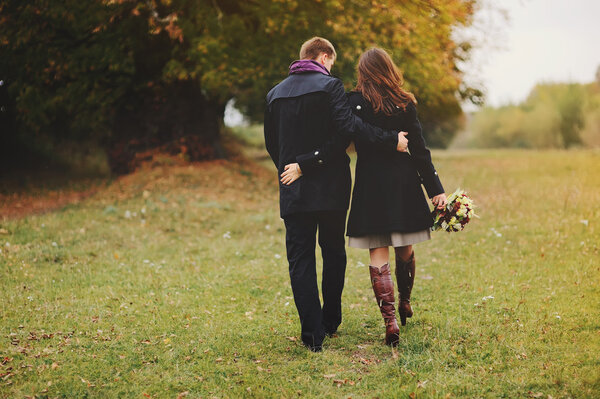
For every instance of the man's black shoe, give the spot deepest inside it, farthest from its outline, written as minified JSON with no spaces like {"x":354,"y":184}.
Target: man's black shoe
{"x":314,"y":348}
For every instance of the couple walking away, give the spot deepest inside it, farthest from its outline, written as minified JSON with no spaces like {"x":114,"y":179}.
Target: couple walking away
{"x":309,"y":123}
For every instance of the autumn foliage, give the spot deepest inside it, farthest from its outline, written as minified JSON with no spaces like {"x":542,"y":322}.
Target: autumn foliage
{"x":130,"y":74}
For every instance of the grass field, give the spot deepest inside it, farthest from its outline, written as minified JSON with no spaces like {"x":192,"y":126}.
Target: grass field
{"x":172,"y":282}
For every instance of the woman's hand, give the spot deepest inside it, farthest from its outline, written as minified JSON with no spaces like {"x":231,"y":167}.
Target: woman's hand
{"x":291,"y":173}
{"x":440,"y":201}
{"x":402,"y":142}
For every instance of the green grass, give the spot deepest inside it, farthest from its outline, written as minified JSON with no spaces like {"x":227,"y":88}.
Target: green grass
{"x":192,"y":297}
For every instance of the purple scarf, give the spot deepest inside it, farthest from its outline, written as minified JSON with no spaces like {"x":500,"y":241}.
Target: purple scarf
{"x":303,"y":66}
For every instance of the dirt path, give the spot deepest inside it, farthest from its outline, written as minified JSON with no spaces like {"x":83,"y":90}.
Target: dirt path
{"x":218,"y":178}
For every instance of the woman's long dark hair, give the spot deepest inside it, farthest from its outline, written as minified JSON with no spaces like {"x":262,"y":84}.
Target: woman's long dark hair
{"x":380,"y":82}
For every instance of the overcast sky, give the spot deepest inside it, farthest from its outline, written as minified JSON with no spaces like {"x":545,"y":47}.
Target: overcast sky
{"x":541,"y":41}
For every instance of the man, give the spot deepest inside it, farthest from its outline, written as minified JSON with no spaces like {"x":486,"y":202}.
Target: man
{"x":308,"y":125}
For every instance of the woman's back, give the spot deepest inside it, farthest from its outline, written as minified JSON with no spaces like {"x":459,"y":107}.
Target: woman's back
{"x":387,"y":192}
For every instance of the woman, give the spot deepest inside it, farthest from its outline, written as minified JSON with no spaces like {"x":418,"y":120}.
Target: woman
{"x":388,"y":206}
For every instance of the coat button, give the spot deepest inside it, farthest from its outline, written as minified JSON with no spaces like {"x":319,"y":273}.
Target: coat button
{"x":358,"y":107}
{"x":316,"y":152}
{"x":320,"y":161}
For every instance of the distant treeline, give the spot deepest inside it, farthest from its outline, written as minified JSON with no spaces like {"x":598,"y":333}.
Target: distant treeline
{"x":557,"y":115}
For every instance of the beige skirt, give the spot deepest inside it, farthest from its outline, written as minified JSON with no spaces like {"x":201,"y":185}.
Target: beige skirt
{"x":393,"y":239}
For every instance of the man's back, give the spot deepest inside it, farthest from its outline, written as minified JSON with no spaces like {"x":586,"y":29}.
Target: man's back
{"x":298,"y":120}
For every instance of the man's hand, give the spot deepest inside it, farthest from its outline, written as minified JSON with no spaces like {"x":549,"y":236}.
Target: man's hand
{"x":402,"y":142}
{"x":440,"y":201}
{"x":291,"y":173}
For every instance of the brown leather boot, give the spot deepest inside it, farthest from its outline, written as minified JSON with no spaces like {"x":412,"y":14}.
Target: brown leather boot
{"x":405,"y":275}
{"x":383,"y":287}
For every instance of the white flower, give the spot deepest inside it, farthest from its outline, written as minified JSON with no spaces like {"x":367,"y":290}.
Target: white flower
{"x":127,"y":214}
{"x":227,"y":235}
{"x":277,"y":256}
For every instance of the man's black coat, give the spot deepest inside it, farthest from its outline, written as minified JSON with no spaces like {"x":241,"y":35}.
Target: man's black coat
{"x":309,"y":111}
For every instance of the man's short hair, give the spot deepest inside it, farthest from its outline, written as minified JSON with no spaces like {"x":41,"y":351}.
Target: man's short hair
{"x":312,"y":48}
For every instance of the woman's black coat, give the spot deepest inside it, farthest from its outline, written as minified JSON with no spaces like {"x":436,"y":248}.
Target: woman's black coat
{"x":387,"y":194}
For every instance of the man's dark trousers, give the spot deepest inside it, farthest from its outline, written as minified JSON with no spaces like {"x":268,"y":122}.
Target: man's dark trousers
{"x":301,"y":229}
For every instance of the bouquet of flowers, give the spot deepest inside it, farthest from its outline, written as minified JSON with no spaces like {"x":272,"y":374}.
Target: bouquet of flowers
{"x":457,"y":213}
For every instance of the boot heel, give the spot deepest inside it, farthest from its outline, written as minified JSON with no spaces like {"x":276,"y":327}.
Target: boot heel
{"x":392,"y":340}
{"x":402,"y":319}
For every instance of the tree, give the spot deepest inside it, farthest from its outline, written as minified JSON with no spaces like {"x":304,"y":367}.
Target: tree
{"x":570,"y":107}
{"x":137,"y":73}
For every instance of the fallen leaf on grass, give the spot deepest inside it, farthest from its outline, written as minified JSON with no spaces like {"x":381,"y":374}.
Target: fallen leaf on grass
{"x":89,"y":384}
{"x":182,"y":394}
{"x":54,"y":366}
{"x":3,"y":231}
{"x":339,"y":383}
{"x":293,"y":339}
{"x":219,"y":359}
{"x":421,"y":384}
{"x":328,"y":375}
{"x":535,"y":394}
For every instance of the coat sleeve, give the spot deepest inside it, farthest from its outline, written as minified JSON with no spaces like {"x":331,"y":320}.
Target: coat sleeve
{"x":347,"y":127}
{"x":421,"y":155}
{"x":322,"y":155}
{"x":271,"y":137}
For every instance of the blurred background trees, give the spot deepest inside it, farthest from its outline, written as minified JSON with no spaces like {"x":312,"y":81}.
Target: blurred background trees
{"x":129,"y":75}
{"x":555,"y":115}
